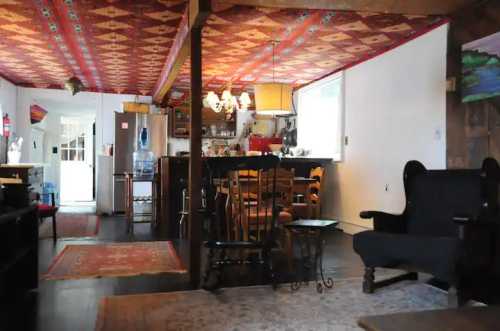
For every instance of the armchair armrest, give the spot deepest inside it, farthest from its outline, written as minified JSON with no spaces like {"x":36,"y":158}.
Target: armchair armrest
{"x":469,"y":226}
{"x":462,"y":219}
{"x":385,"y":222}
{"x":477,"y":236}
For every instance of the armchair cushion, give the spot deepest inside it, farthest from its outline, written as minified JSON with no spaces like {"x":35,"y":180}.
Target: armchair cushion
{"x":434,"y":255}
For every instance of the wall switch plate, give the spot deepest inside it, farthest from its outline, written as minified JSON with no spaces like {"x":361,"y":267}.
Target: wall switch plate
{"x":437,"y":134}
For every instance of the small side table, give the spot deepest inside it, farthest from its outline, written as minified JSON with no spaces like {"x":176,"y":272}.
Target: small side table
{"x":310,"y":233}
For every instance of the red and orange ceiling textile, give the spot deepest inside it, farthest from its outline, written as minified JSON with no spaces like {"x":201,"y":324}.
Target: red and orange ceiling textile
{"x":116,"y":46}
{"x":121,"y":46}
{"x":312,"y":44}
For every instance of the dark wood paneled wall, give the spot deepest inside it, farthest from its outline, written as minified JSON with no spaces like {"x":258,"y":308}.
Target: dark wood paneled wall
{"x":473,"y":129}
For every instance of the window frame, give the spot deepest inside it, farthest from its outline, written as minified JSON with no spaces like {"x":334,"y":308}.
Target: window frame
{"x":66,"y":140}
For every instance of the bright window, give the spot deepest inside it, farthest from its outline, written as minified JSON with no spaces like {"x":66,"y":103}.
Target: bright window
{"x":72,"y":142}
{"x":320,"y":118}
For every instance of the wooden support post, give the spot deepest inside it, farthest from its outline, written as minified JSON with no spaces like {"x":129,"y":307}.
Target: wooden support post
{"x":195,"y":161}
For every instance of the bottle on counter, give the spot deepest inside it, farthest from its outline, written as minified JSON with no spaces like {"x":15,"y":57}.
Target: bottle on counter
{"x":143,"y":158}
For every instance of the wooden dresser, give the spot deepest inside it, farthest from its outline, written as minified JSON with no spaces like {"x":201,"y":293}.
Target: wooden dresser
{"x":30,"y":174}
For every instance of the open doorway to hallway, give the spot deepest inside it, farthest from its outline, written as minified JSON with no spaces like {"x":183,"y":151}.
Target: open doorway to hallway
{"x":77,"y":175}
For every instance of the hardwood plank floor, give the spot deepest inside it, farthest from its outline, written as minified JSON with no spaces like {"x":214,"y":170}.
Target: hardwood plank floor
{"x":72,"y":304}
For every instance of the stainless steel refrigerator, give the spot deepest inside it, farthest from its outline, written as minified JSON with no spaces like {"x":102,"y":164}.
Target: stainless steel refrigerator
{"x":127,"y":128}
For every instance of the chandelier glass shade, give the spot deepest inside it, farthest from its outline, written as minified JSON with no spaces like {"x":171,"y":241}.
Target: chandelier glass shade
{"x":74,"y":85}
{"x":227,"y":103}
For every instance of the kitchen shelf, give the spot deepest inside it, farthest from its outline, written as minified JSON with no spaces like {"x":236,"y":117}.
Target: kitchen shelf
{"x":180,"y":122}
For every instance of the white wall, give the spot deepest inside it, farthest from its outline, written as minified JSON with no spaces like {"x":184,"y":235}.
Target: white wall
{"x":8,"y":100}
{"x":61,"y":103}
{"x":395,"y":112}
{"x":102,"y":105}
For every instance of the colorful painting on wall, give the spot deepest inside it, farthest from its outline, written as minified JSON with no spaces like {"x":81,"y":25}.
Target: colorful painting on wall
{"x":37,"y":114}
{"x":481,"y":68}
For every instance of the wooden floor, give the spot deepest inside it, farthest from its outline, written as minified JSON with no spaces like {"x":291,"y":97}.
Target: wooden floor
{"x":72,"y":304}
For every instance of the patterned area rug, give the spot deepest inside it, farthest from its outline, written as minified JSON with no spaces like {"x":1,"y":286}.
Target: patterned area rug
{"x":261,"y":308}
{"x":71,"y":226}
{"x":115,"y":260}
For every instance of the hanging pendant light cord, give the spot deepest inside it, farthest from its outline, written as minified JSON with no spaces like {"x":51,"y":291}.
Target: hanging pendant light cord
{"x":273,"y":59}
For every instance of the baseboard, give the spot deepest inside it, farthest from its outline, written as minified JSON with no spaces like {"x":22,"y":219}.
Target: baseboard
{"x":350,"y":228}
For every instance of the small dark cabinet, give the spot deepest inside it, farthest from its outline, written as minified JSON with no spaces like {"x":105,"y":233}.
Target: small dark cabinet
{"x":18,"y":251}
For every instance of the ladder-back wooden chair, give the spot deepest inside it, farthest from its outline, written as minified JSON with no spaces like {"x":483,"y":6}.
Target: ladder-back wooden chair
{"x":249,"y":187}
{"x":310,"y":208}
{"x":315,"y":191}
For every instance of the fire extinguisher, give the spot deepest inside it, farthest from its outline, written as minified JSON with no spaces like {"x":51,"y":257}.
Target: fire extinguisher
{"x":7,"y":126}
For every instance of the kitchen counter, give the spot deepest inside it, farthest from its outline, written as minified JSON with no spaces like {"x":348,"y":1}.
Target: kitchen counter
{"x":20,"y":165}
{"x":173,"y":179}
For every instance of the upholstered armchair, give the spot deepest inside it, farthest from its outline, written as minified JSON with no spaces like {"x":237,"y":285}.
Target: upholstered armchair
{"x":446,"y":229}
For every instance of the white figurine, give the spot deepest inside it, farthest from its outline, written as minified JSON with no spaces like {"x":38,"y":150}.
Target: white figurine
{"x":14,"y":152}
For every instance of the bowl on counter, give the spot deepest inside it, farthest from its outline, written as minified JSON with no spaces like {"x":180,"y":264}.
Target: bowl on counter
{"x":275,"y":148}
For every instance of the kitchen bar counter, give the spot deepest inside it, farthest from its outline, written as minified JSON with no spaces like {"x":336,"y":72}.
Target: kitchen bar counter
{"x":173,"y":178}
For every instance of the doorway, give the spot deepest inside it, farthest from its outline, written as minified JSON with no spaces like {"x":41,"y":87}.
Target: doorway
{"x":77,"y":160}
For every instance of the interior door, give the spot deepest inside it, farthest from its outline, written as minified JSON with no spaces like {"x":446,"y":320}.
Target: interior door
{"x":77,"y":150}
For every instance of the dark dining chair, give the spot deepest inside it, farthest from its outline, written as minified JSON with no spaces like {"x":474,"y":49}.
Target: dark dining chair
{"x":244,"y":231}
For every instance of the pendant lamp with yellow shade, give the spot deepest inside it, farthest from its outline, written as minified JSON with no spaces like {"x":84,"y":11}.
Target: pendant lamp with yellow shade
{"x":273,"y":98}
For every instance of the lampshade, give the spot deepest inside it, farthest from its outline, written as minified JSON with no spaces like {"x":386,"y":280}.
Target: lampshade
{"x":245,"y":100}
{"x":273,"y":98}
{"x":212,"y":97}
{"x":226,"y":95}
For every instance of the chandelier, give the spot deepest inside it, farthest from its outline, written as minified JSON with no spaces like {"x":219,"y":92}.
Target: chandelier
{"x":227,"y":102}
{"x":74,"y":85}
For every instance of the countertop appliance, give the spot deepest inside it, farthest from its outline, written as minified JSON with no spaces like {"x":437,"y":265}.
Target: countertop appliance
{"x":127,"y":129}
{"x":261,"y":144}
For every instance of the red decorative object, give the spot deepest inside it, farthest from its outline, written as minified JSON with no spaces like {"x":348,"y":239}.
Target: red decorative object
{"x":261,"y":144}
{"x":37,"y":114}
{"x":115,"y":260}
{"x":7,"y":126}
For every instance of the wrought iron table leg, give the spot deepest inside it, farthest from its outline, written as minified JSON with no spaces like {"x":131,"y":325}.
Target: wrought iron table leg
{"x":309,"y":263}
{"x":304,"y":267}
{"x":322,"y":283}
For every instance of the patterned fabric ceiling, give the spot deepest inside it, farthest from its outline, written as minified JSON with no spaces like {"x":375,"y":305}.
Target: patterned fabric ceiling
{"x":121,"y":46}
{"x":116,"y":46}
{"x":237,"y":44}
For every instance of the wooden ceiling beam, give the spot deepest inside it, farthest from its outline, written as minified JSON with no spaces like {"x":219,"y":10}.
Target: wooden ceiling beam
{"x":413,"y":7}
{"x":195,"y":15}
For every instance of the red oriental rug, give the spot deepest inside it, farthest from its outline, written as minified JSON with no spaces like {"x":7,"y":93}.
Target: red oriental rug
{"x":115,"y":260}
{"x":70,"y":226}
